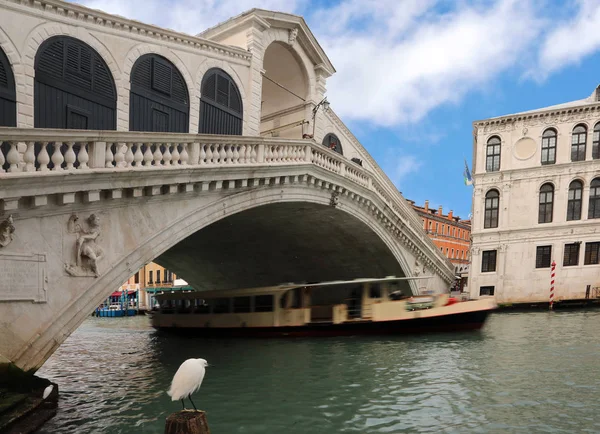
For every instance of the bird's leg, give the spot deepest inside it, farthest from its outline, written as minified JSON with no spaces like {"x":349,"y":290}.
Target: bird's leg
{"x":190,"y":397}
{"x":183,"y":404}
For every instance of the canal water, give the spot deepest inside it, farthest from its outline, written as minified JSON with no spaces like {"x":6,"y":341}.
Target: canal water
{"x":523,"y":373}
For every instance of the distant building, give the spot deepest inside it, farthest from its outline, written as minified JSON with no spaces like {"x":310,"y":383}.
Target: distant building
{"x":151,"y":278}
{"x":450,"y":234}
{"x":536,"y":177}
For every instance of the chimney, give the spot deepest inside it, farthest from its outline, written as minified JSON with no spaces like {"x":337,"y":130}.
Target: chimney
{"x":440,"y":210}
{"x":450,"y":215}
{"x":426,"y":205}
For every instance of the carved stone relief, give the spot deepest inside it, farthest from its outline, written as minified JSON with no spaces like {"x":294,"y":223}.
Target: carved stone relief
{"x":335,"y":199}
{"x":293,"y":34}
{"x":87,"y":251}
{"x":7,"y":228}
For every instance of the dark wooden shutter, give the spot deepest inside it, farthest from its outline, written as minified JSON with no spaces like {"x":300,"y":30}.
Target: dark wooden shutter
{"x":73,"y":87}
{"x":8,"y":95}
{"x":220,"y":104}
{"x":159,"y":98}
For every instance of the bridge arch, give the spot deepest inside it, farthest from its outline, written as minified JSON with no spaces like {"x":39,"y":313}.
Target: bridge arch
{"x":131,"y":59}
{"x":74,"y":88}
{"x":221,"y":104}
{"x":159,"y":99}
{"x":123,"y":264}
{"x":33,"y":42}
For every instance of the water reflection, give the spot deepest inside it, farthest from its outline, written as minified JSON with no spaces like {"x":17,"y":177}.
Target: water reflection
{"x":534,"y":372}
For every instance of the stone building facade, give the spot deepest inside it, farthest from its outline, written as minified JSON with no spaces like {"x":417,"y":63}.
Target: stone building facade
{"x":451,"y":234}
{"x":537,"y":201}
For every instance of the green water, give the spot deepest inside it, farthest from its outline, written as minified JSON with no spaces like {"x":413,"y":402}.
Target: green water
{"x":523,"y":373}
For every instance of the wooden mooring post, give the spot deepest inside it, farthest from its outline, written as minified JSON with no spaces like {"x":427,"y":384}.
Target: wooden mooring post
{"x":187,"y":422}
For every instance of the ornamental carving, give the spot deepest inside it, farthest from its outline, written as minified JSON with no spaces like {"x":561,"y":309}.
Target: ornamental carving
{"x":335,"y":199}
{"x":293,"y":34}
{"x":7,"y":228}
{"x":87,"y":251}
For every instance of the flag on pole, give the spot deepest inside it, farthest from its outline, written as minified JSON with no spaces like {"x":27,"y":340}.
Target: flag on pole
{"x":467,"y":175}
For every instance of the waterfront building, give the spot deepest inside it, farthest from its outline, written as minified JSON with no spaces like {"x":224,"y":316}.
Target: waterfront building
{"x":536,"y":202}
{"x":151,"y":278}
{"x":451,"y":234}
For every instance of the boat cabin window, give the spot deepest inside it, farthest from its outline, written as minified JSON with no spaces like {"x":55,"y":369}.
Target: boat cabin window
{"x":375,"y":291}
{"x":296,"y":298}
{"x":263,"y":303}
{"x":241,"y":304}
{"x":221,"y":305}
{"x":202,"y":306}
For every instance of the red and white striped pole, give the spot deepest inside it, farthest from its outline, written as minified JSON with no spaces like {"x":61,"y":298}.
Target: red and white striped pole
{"x":553,"y":273}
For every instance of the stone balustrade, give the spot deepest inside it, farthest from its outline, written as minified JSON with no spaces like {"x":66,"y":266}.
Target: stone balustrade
{"x":35,"y":152}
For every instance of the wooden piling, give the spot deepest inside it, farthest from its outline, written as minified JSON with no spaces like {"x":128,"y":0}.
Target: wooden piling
{"x":187,"y":422}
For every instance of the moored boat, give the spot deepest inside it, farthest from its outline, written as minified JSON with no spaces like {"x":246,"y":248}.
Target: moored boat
{"x":361,"y":306}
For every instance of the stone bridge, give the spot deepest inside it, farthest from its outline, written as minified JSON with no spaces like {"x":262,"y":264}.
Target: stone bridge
{"x":99,"y":177}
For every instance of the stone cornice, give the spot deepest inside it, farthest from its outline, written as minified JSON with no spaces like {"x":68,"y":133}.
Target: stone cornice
{"x":96,"y":17}
{"x":541,"y":117}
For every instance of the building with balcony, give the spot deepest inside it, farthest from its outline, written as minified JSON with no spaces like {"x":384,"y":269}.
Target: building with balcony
{"x":537,"y":202}
{"x":451,"y":234}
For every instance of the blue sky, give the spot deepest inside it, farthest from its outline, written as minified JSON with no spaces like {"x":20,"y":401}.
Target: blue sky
{"x":412,"y":75}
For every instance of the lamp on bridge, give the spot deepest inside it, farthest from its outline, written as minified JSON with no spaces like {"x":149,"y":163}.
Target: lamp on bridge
{"x":325,"y":104}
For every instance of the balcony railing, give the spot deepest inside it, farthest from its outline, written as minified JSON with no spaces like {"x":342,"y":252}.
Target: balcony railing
{"x":40,"y":152}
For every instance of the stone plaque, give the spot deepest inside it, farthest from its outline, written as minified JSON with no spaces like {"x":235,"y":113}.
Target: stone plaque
{"x":22,"y":277}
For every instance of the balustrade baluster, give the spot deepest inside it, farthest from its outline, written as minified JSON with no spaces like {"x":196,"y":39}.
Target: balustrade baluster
{"x":184,"y":154}
{"x":209,"y":153}
{"x":268,"y":153}
{"x":236,"y":154}
{"x":108,"y":156}
{"x":29,"y":157}
{"x":222,"y":154}
{"x":175,"y":156}
{"x":243,"y":154}
{"x":2,"y":158}
{"x":129,"y":154}
{"x":120,"y":155}
{"x":229,"y":154}
{"x":284,"y":153}
{"x":254,"y":153}
{"x":43,"y":158}
{"x":167,"y":157}
{"x":157,"y":155}
{"x":13,"y":158}
{"x":138,"y":157}
{"x":203,"y":154}
{"x":148,"y":157}
{"x":57,"y":157}
{"x":70,"y":156}
{"x":83,"y":157}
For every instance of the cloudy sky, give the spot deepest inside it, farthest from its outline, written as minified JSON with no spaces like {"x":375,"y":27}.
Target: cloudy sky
{"x":412,"y":75}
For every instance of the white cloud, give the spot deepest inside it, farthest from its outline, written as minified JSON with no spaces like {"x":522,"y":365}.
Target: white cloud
{"x":572,"y":40}
{"x":391,"y":73}
{"x":401,"y":166}
{"x":188,"y":16}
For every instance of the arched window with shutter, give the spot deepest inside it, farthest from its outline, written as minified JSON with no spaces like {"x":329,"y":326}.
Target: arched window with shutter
{"x":332,"y":142}
{"x":73,"y":87}
{"x":574,"y":200}
{"x":8,"y":95}
{"x":159,"y":99}
{"x":492,"y":205}
{"x":220,"y":104}
{"x":546,"y":204}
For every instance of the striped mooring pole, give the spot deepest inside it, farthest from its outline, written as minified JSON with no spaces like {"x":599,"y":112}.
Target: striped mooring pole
{"x":553,"y":273}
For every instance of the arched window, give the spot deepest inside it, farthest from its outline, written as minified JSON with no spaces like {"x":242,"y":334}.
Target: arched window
{"x":158,"y":100}
{"x":596,"y":142}
{"x":578,"y":140}
{"x":546,"y":203}
{"x":594,"y":208}
{"x":492,"y":205}
{"x":220,"y":104}
{"x":492,"y":163}
{"x":549,"y":146}
{"x":8,"y":95}
{"x":332,"y":142}
{"x":574,"y":200}
{"x":73,"y":87}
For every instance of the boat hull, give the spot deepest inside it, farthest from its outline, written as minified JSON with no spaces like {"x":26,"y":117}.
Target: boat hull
{"x":472,"y":320}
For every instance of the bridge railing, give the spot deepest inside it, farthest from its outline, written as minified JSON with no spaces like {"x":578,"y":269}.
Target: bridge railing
{"x":33,"y":152}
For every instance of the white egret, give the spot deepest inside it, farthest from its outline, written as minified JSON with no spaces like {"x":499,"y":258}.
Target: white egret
{"x":187,"y":380}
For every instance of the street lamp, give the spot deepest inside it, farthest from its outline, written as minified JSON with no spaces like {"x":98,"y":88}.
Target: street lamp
{"x":325,"y":104}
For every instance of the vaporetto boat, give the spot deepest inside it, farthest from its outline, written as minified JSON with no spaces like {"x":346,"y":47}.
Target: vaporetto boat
{"x":351,"y":307}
